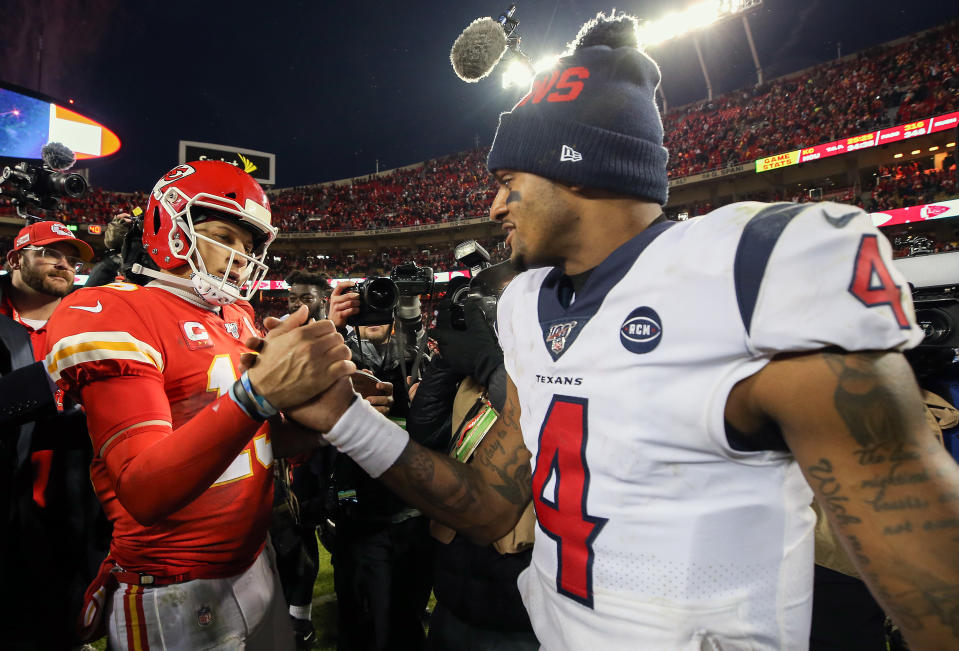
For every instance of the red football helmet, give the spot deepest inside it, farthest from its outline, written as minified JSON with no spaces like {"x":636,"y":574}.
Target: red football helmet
{"x":197,"y":191}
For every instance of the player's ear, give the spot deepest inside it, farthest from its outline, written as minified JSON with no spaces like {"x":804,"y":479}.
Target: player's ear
{"x":13,"y":259}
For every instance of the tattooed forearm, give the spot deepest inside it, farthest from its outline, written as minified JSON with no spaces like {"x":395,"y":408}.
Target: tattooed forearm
{"x":515,"y":477}
{"x":830,"y":492}
{"x":452,"y":497}
{"x":866,"y":449}
{"x":937,"y":599}
{"x":478,"y":498}
{"x":857,"y":550}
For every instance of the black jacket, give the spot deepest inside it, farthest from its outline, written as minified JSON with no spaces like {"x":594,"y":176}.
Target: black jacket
{"x":62,"y":544}
{"x":375,"y":506}
{"x":105,"y":271}
{"x":475,"y":582}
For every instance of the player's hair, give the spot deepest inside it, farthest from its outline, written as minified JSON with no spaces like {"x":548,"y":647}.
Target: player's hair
{"x":299,"y":277}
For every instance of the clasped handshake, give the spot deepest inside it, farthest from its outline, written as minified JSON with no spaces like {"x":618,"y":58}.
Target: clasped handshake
{"x":303,"y":369}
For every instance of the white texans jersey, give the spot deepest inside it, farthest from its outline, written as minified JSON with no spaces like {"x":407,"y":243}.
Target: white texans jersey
{"x":655,"y":531}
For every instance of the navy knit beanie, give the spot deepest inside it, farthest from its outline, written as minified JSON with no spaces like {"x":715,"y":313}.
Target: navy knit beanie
{"x":592,"y":119}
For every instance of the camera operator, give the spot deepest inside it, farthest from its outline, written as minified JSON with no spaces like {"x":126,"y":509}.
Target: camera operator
{"x":381,"y":551}
{"x":107,"y":269}
{"x":475,"y":585}
{"x":300,"y":489}
{"x":57,"y":534}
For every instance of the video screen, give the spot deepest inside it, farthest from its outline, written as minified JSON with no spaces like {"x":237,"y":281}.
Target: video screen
{"x":27,"y":123}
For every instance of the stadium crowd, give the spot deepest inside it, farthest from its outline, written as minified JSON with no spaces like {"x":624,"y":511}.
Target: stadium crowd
{"x":446,"y":189}
{"x":910,"y":185}
{"x":913,"y":78}
{"x":891,"y":84}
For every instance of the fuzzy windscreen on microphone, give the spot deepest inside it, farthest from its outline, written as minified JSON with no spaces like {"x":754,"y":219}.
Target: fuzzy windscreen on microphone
{"x":478,"y":49}
{"x":57,"y":156}
{"x":618,"y":30}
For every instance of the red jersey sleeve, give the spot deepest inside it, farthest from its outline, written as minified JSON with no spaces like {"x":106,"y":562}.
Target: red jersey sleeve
{"x":98,"y":333}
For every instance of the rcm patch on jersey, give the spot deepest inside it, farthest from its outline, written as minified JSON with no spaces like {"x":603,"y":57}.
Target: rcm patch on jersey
{"x":642,"y":330}
{"x":195,"y":335}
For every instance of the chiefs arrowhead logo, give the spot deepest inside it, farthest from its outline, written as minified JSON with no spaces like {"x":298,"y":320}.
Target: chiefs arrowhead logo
{"x":931,"y":211}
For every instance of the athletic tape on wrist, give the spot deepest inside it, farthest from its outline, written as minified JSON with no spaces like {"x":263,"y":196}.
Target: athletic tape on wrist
{"x":368,"y":437}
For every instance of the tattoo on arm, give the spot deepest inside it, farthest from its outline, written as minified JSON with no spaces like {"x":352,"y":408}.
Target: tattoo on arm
{"x":870,"y":409}
{"x":461,"y":488}
{"x":831,"y":492}
{"x":897,"y":488}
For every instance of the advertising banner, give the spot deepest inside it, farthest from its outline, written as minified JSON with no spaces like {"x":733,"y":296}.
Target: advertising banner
{"x":913,"y":214}
{"x":862,"y":141}
{"x":258,"y":164}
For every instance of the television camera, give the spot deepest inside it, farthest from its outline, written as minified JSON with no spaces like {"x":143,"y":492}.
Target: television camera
{"x":39,"y":186}
{"x":935,"y":295}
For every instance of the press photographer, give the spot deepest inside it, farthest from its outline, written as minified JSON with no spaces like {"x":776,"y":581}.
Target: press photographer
{"x":109,"y":266}
{"x":387,"y":326}
{"x":458,"y":400}
{"x":381,"y":551}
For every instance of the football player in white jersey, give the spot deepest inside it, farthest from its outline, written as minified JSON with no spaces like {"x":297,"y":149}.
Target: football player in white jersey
{"x":677,"y":388}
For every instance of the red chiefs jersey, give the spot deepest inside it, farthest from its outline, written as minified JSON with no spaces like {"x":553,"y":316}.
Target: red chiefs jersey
{"x":108,"y":333}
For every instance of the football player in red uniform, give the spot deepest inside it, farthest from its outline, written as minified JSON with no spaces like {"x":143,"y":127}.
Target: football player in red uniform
{"x":183,"y":454}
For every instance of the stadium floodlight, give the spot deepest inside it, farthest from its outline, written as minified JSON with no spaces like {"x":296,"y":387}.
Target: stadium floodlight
{"x":519,"y":75}
{"x":693,"y":18}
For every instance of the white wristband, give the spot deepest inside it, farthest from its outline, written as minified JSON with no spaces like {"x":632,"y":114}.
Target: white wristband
{"x":368,"y":437}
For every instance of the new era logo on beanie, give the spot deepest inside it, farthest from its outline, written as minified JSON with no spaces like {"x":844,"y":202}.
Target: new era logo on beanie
{"x":570,"y":154}
{"x":596,"y":108}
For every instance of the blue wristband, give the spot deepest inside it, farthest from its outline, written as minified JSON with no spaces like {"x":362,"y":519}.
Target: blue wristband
{"x":254,"y":406}
{"x":242,"y":399}
{"x":263,"y":406}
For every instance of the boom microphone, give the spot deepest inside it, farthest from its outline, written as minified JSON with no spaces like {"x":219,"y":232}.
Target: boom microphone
{"x":57,"y":156}
{"x":478,"y":49}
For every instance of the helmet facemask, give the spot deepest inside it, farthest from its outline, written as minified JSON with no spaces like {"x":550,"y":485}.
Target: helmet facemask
{"x":214,"y":288}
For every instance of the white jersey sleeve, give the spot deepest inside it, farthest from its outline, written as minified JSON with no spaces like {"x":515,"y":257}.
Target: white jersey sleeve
{"x":810,"y":276}
{"x":504,"y":324}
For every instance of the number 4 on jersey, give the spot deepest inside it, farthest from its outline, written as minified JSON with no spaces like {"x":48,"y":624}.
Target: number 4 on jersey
{"x":562,"y":471}
{"x":872,"y":283}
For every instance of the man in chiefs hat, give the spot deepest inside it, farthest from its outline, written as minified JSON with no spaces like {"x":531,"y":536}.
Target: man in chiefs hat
{"x":44,"y":509}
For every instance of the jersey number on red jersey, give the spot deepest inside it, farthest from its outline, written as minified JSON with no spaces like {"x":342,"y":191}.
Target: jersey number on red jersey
{"x":220,"y":377}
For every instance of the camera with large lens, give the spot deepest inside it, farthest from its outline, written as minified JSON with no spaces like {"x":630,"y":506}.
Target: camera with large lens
{"x":935,"y":296}
{"x":470,"y":254}
{"x":41,"y":185}
{"x":412,"y":279}
{"x":939,"y":319}
{"x":378,"y":297}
